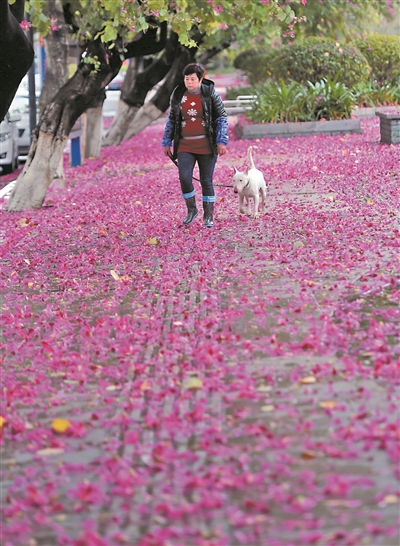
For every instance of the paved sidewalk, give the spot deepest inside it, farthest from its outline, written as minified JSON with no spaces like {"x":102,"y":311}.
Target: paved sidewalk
{"x":213,"y":387}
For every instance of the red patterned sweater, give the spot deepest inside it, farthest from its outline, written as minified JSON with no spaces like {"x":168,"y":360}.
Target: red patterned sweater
{"x":193,"y":126}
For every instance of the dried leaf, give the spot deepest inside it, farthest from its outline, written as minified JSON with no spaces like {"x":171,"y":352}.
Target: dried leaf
{"x":308,"y":455}
{"x":50,"y":451}
{"x":328,"y":404}
{"x":60,"y":425}
{"x":153,"y":241}
{"x":391,"y":499}
{"x":114,"y":275}
{"x":298,"y":244}
{"x":2,"y":421}
{"x":145,"y":386}
{"x":22,"y":222}
{"x":308,"y":380}
{"x":193,"y":383}
{"x":268,"y":407}
{"x":27,"y":261}
{"x":264,"y":388}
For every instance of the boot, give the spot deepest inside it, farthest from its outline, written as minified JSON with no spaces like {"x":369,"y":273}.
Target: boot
{"x":192,"y":210}
{"x":208,"y":214}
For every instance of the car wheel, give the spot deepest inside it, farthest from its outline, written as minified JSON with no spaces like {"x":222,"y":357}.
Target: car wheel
{"x":8,"y":168}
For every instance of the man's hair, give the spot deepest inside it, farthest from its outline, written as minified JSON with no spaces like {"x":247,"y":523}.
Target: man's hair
{"x":194,"y":68}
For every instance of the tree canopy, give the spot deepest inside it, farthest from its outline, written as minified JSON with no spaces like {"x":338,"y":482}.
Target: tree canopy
{"x":109,"y":20}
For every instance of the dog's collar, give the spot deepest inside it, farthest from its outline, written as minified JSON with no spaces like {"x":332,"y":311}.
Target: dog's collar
{"x":248,"y":182}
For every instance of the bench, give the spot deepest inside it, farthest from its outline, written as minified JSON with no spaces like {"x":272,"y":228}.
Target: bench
{"x":239,"y":105}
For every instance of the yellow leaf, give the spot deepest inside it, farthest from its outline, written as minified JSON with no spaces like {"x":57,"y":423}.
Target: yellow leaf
{"x":153,"y":241}
{"x":268,"y":407}
{"x":114,"y":275}
{"x":2,"y":421}
{"x":145,"y":386}
{"x":60,"y":425}
{"x":308,"y":380}
{"x":50,"y":451}
{"x":308,"y":455}
{"x":193,"y":383}
{"x":138,"y":202}
{"x":264,"y":388}
{"x":112,"y":388}
{"x":331,"y":198}
{"x":30,"y":284}
{"x":178,"y":323}
{"x":27,"y":261}
{"x":329,"y":404}
{"x":23,"y":222}
{"x":391,"y":499}
{"x":370,"y":202}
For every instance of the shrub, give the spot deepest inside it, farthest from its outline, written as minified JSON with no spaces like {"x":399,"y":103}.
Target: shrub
{"x":383,"y":55}
{"x":311,"y":59}
{"x":374,"y":94}
{"x":330,"y":99}
{"x":260,"y":67}
{"x":294,"y":101}
{"x":244,"y":58}
{"x":233,"y":92}
{"x":277,"y":102}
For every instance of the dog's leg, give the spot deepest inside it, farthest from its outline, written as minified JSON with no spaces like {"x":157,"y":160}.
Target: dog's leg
{"x":241,"y":208}
{"x":256,"y":204}
{"x":263,"y":196}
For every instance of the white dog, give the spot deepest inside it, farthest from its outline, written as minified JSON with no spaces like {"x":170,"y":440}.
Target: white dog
{"x":250,"y":185}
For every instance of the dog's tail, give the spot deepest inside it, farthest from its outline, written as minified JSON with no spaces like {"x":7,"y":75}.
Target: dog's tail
{"x":249,"y":155}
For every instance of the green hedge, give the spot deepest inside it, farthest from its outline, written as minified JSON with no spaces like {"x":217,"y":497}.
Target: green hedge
{"x":383,"y":55}
{"x":310,"y":59}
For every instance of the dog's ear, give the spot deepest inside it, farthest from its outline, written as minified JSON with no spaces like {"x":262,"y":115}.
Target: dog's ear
{"x":236,"y":171}
{"x":246,"y":171}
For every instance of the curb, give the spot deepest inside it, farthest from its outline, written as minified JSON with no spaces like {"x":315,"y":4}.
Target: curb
{"x":303,"y":128}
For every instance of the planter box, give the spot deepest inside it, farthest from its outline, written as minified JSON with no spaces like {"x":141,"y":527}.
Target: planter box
{"x":390,"y":127}
{"x":371,"y":111}
{"x":303,"y":128}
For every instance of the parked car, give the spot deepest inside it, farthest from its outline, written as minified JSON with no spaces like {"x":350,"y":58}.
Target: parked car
{"x":20,"y":107}
{"x":9,"y":143}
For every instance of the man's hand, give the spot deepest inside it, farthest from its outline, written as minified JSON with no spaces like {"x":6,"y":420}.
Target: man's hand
{"x":221,"y":149}
{"x":167,"y":151}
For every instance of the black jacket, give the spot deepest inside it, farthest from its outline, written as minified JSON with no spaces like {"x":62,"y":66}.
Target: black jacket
{"x":215,"y":118}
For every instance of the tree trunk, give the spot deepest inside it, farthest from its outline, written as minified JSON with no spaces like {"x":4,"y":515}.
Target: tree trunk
{"x":94,"y":131}
{"x":56,"y":48}
{"x":75,"y":97}
{"x":16,"y":53}
{"x":124,"y":113}
{"x":51,"y":134}
{"x":134,"y":92}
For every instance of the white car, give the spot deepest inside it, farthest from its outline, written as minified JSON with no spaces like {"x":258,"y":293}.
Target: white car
{"x":9,"y":143}
{"x":20,"y":107}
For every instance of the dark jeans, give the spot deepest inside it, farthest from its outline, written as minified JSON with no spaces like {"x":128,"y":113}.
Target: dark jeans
{"x":206,"y":163}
